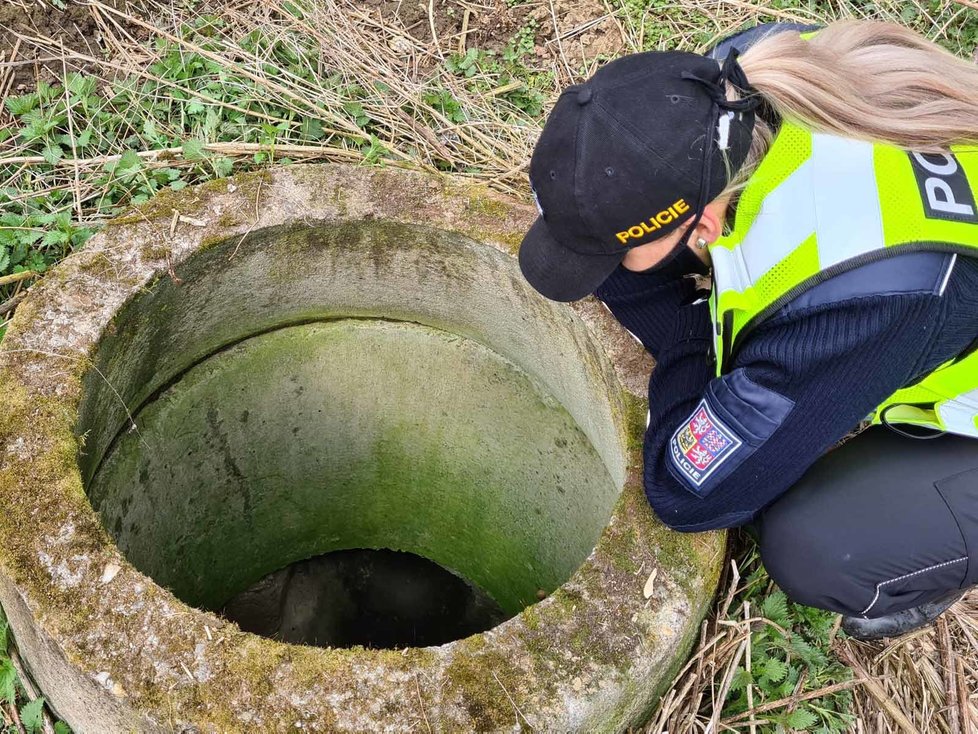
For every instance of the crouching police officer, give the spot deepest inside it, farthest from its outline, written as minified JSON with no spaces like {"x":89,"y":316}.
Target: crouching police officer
{"x":825,"y":179}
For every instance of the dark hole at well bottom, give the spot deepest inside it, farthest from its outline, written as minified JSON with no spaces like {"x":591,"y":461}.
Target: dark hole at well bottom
{"x":374,"y":598}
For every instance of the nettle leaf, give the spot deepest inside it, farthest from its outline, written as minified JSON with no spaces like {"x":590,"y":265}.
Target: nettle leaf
{"x":32,"y":715}
{"x":8,"y":682}
{"x":4,"y":264}
{"x":62,"y":728}
{"x":36,"y":263}
{"x":801,"y":719}
{"x":775,"y":670}
{"x":149,"y":129}
{"x":775,"y":607}
{"x":80,"y":85}
{"x":55,"y":237}
{"x":80,"y":236}
{"x":19,"y":253}
{"x":21,"y":105}
{"x":129,"y":163}
{"x":193,"y":150}
{"x":84,"y":138}
{"x":195,"y":107}
{"x":34,"y":130}
{"x":211,"y":122}
{"x":809,"y":655}
{"x":742,"y":678}
{"x":222,"y":166}
{"x":312,"y":129}
{"x":52,"y":153}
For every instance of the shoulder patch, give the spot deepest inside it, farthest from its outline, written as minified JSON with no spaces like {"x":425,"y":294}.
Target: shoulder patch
{"x":701,"y":444}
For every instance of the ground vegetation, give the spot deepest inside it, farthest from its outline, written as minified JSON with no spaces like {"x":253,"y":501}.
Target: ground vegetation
{"x":107,"y":103}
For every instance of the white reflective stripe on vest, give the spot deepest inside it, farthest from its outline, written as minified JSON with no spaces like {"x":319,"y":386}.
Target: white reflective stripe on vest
{"x":786,"y":219}
{"x":958,"y":414}
{"x":847,"y":200}
{"x":832,"y":195}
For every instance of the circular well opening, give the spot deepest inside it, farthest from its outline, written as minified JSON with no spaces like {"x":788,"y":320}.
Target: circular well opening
{"x":352,"y":434}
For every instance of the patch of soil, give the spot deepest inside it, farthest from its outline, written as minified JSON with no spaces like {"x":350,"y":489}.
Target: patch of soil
{"x":585,"y":31}
{"x":75,"y":26}
{"x":570,"y":32}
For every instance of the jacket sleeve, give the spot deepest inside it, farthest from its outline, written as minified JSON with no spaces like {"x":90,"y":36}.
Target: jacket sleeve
{"x":719,"y":449}
{"x":646,"y":303}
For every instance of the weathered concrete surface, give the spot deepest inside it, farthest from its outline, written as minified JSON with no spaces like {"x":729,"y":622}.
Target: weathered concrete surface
{"x":115,"y":652}
{"x":354,"y":434}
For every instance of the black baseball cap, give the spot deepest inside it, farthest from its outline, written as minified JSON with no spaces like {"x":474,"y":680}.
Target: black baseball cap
{"x":622,"y":160}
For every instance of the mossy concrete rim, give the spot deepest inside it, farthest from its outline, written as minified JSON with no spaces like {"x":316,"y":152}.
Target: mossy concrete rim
{"x":115,"y":652}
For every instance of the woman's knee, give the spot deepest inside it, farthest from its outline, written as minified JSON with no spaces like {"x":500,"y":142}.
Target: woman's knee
{"x":818,"y":561}
{"x":801,"y":561}
{"x":866,"y":558}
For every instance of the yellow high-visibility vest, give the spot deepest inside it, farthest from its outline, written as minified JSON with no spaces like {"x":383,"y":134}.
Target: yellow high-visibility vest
{"x":819,"y":205}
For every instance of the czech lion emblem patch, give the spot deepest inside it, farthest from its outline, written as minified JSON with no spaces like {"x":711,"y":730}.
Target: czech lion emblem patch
{"x":701,"y":444}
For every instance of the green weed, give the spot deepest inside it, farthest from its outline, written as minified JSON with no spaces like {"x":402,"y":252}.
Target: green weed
{"x":13,"y":696}
{"x":789,"y":654}
{"x":488,"y":72}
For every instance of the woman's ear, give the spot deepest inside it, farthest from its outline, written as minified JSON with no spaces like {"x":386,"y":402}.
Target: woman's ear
{"x":710,"y":226}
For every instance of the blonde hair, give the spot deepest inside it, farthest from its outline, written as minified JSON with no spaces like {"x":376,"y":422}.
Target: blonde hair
{"x":863,"y":79}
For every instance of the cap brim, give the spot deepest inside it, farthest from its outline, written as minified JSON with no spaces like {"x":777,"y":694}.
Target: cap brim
{"x":559,"y":273}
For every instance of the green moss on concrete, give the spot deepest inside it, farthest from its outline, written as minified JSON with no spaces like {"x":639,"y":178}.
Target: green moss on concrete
{"x":511,"y":240}
{"x":186,"y":201}
{"x":531,"y":618}
{"x":40,"y":431}
{"x":482,"y":202}
{"x":631,"y":412}
{"x":229,"y":220}
{"x":253,"y":187}
{"x":512,"y":514}
{"x":155,"y":251}
{"x":479,"y":678}
{"x":97,"y":264}
{"x":489,"y":216}
{"x":192,"y":201}
{"x":624,"y":551}
{"x":212,"y":241}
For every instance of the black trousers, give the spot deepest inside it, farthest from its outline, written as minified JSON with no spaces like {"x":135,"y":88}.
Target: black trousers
{"x":880,"y":525}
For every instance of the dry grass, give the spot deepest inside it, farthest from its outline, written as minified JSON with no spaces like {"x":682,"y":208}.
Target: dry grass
{"x":491,"y":143}
{"x":924,"y":682}
{"x":927,"y":682}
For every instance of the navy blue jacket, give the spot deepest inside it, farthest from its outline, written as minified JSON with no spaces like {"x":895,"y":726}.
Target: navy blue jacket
{"x":802,"y":380}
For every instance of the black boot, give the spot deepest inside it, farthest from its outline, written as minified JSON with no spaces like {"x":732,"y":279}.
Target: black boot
{"x":899,"y":623}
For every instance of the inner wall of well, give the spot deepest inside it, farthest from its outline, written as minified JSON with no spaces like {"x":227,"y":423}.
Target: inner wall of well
{"x":362,"y":385}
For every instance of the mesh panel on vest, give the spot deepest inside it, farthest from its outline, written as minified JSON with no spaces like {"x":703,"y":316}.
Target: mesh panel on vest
{"x":781,"y":278}
{"x":794,"y":148}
